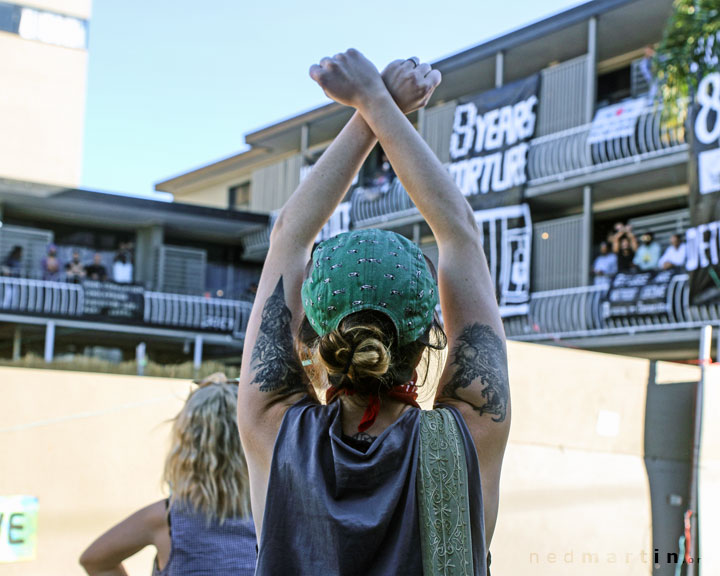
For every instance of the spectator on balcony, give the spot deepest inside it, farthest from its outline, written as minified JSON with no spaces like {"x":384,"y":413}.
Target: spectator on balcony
{"x":12,"y":265}
{"x":96,"y":270}
{"x":646,"y":68}
{"x":624,"y":244}
{"x":605,"y":266}
{"x":75,"y":269}
{"x":51,"y":265}
{"x":122,"y":269}
{"x":205,"y":526}
{"x":674,"y":255}
{"x":647,"y":254}
{"x":384,"y":175}
{"x":12,"y":268}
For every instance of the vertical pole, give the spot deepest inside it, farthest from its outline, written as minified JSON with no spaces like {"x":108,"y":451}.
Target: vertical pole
{"x":140,"y":358}
{"x":587,"y":240}
{"x":705,"y":345}
{"x":499,"y":68}
{"x":590,"y":84}
{"x":416,"y":234}
{"x":304,"y":140}
{"x":197,"y":354}
{"x":17,"y":343}
{"x":49,"y":341}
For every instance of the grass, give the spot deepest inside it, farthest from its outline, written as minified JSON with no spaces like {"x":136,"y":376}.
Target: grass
{"x":90,"y":364}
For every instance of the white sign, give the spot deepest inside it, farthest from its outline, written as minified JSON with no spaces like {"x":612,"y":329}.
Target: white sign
{"x":52,"y":28}
{"x":18,"y":528}
{"x":616,"y":121}
{"x":506,"y":234}
{"x":707,"y":133}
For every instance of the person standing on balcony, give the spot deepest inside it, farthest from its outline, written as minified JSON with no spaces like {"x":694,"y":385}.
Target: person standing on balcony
{"x":605,"y":266}
{"x":624,"y":244}
{"x":75,"y":269}
{"x":339,"y":488}
{"x":51,"y":265}
{"x":122,"y":269}
{"x":96,"y":270}
{"x":205,"y":526}
{"x":647,"y":254}
{"x":674,"y":255}
{"x":11,"y":268}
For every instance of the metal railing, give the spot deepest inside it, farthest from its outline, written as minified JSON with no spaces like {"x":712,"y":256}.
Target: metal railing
{"x":372,"y":206}
{"x":40,"y":297}
{"x":60,"y":299}
{"x":578,"y":313}
{"x":196,"y":312}
{"x":566,"y":154}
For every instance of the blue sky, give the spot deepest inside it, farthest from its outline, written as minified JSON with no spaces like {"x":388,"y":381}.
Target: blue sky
{"x":175,"y":84}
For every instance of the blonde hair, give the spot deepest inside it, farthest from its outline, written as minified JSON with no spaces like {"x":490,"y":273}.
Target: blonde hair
{"x":206,"y":466}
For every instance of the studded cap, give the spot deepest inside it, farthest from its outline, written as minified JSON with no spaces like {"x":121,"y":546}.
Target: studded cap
{"x":370,"y":270}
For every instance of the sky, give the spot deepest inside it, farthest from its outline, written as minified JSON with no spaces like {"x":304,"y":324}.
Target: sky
{"x":175,"y":84}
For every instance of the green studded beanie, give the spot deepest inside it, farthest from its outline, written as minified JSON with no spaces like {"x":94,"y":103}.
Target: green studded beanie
{"x":370,"y":270}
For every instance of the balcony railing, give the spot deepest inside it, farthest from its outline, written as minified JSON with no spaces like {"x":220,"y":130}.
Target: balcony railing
{"x":566,"y":154}
{"x":40,"y":297}
{"x":578,"y":313}
{"x":373,"y":206}
{"x":115,"y":303}
{"x":195,"y":312}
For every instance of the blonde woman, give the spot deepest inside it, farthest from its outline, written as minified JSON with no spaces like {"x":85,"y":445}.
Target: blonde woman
{"x":205,"y":526}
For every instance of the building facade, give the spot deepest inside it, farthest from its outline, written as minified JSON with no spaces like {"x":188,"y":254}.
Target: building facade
{"x":43,"y":64}
{"x":596,"y":151}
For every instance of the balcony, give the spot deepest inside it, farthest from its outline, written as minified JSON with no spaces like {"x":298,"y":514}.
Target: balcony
{"x":578,"y":313}
{"x":125,"y":308}
{"x":567,"y":154}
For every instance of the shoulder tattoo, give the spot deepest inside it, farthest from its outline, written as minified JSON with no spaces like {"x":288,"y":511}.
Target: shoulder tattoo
{"x":277,"y":368}
{"x":479,"y":358}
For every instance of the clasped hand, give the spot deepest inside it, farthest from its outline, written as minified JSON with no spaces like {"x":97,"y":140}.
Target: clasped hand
{"x":351,"y":79}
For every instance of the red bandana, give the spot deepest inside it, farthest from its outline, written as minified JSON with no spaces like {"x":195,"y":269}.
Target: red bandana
{"x":406,"y":393}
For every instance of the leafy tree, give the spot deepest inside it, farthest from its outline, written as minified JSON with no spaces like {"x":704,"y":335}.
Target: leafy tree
{"x":689,"y":50}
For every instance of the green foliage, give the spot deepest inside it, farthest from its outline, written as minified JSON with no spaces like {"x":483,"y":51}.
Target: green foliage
{"x":185,"y":371}
{"x":690,"y":49}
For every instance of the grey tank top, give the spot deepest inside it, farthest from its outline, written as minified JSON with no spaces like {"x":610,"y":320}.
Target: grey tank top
{"x":334,"y":510}
{"x":200,"y":549}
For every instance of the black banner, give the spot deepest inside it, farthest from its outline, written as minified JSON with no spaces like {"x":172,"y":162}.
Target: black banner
{"x":702,"y":239}
{"x":639,"y":294}
{"x":108,"y":301}
{"x":489,"y":142}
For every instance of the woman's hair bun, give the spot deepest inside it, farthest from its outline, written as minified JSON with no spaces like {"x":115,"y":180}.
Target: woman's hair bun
{"x":360,"y":352}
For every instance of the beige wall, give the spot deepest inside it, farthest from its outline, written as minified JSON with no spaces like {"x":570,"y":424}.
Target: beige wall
{"x":42,"y":108}
{"x":91,"y":448}
{"x":709,"y":482}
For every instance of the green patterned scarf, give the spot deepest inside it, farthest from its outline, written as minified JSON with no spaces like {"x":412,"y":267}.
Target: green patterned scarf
{"x":442,"y":484}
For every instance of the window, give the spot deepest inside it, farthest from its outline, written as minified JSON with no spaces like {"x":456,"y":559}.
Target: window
{"x":239,"y":197}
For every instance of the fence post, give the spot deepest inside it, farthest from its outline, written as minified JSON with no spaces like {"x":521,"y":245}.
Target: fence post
{"x":197,"y":355}
{"x":49,"y":341}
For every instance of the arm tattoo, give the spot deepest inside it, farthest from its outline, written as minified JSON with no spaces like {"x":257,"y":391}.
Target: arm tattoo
{"x":480,"y":353}
{"x":277,"y":368}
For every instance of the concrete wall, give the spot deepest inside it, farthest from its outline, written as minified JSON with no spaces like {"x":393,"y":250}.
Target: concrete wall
{"x":574,"y":493}
{"x":91,"y":447}
{"x":575,"y":497}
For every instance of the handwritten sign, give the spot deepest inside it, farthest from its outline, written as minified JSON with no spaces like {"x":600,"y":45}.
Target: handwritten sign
{"x":18,"y":528}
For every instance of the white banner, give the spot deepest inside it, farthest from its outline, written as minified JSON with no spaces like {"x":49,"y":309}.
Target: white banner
{"x":506,"y":234}
{"x":616,"y":121}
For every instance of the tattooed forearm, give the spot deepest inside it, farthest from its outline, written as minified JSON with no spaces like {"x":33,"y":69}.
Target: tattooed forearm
{"x":479,"y":355}
{"x":277,"y":368}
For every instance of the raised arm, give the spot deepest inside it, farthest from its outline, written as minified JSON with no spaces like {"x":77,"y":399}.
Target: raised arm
{"x":475,"y":376}
{"x":272,"y":377}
